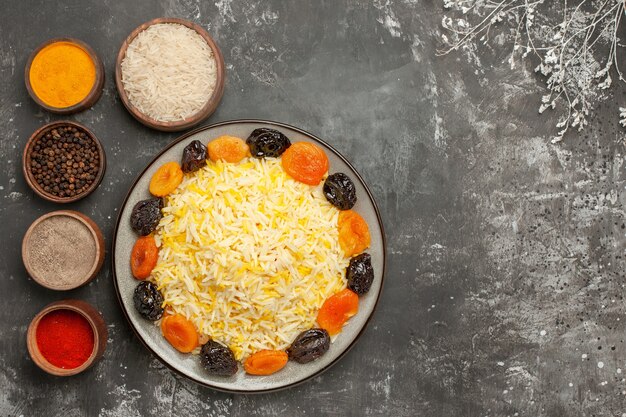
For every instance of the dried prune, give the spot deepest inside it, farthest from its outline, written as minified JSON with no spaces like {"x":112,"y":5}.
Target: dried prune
{"x":309,"y":345}
{"x":264,"y":142}
{"x":340,"y":191}
{"x":218,"y":359}
{"x":148,"y":300}
{"x":194,"y":156}
{"x":146,"y":216}
{"x":360,"y":273}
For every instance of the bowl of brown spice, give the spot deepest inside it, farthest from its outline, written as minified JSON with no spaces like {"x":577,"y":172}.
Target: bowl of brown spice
{"x":63,"y":162}
{"x":63,"y":250}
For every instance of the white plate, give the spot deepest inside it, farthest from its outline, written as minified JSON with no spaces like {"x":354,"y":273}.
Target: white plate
{"x":189,"y":365}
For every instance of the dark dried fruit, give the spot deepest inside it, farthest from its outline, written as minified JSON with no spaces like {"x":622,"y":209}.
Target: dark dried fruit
{"x":148,"y":300}
{"x":194,"y":156}
{"x":217,"y":359}
{"x":264,"y":142}
{"x":309,"y":345}
{"x":146,"y":216}
{"x":360,"y":273}
{"x":340,"y":191}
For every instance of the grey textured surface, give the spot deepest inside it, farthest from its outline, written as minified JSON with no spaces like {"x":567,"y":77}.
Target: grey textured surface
{"x":505,"y":284}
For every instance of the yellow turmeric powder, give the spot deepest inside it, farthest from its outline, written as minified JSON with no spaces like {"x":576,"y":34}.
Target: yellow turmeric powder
{"x":62,"y":74}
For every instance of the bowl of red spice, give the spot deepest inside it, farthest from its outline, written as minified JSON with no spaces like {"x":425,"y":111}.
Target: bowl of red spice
{"x":66,"y":337}
{"x":63,"y":161}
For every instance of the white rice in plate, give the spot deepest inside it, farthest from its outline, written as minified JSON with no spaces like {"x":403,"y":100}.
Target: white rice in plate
{"x":248,"y":254}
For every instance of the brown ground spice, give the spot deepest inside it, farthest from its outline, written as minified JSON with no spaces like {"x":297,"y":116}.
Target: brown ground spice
{"x":62,"y":251}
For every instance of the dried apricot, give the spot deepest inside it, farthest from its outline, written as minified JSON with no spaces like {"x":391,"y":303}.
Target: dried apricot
{"x":305,"y":162}
{"x":143,"y":257}
{"x":265,"y":362}
{"x":166,"y":179}
{"x":228,"y":148}
{"x":180,"y":332}
{"x":354,"y":234}
{"x":336,"y":310}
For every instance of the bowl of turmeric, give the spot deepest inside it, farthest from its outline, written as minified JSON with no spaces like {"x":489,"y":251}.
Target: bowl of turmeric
{"x":64,"y":76}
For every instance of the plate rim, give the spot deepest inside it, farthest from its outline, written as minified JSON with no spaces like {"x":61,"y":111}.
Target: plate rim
{"x":142,"y":173}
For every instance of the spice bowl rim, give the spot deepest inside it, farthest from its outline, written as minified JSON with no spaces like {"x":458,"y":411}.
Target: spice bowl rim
{"x":30,"y":178}
{"x":96,"y":234}
{"x":209,"y":107}
{"x":96,"y":90}
{"x":89,"y":313}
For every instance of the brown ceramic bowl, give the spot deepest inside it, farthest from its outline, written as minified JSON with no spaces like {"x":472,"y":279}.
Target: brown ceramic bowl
{"x":92,"y":266}
{"x":210,"y":105}
{"x":98,"y":326}
{"x":96,"y":90}
{"x":30,"y":178}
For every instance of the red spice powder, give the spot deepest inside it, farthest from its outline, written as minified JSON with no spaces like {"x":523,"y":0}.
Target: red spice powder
{"x":65,"y":338}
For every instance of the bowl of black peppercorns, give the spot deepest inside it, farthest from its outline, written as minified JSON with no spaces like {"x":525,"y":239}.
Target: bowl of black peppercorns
{"x":63,"y":162}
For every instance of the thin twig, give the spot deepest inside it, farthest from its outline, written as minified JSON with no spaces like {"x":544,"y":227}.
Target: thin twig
{"x":575,"y":72}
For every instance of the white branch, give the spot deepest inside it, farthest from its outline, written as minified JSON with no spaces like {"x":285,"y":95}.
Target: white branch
{"x":572,"y":58}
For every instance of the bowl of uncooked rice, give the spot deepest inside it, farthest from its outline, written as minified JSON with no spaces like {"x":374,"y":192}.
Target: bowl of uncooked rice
{"x":170,"y":74}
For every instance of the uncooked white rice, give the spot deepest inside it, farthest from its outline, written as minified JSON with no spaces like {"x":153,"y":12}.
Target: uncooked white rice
{"x":248,"y":254}
{"x":169,"y":72}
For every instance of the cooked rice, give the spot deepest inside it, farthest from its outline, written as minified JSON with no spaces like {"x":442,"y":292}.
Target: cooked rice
{"x":248,"y":254}
{"x":169,"y":72}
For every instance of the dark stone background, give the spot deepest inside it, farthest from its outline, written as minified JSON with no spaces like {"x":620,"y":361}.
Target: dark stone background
{"x":505,"y":276}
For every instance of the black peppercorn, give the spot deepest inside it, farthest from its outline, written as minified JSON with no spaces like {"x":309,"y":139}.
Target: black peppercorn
{"x":64,"y":161}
